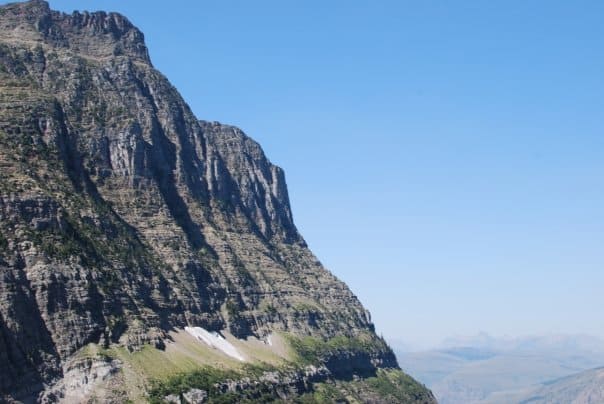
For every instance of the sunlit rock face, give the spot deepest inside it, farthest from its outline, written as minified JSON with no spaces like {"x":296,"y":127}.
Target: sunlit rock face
{"x":123,"y":216}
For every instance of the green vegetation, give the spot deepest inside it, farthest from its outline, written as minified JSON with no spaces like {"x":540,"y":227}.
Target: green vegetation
{"x":311,"y":350}
{"x":61,"y":244}
{"x":271,"y":310}
{"x":3,"y":243}
{"x":204,"y":379}
{"x":323,"y":393}
{"x":393,"y":383}
{"x":305,"y":308}
{"x":232,"y":308}
{"x":390,"y":385}
{"x":207,"y":379}
{"x":246,"y":278}
{"x":256,"y":392}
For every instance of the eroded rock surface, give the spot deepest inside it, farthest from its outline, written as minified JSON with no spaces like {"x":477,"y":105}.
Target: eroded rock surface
{"x":122,"y":216}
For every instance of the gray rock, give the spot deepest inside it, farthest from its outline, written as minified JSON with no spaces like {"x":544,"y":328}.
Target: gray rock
{"x":195,"y":396}
{"x":172,"y":398}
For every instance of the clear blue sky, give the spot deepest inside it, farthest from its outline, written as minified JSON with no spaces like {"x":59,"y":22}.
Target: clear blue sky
{"x":445,"y":159}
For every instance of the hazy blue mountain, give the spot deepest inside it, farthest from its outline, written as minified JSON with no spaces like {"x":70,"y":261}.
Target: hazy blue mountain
{"x":481,"y":368}
{"x":586,"y":387}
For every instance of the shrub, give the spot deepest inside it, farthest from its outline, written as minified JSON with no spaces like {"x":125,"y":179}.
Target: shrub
{"x":3,"y":243}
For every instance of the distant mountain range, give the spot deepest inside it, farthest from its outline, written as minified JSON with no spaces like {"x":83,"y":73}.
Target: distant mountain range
{"x":485,"y":369}
{"x":582,"y":388}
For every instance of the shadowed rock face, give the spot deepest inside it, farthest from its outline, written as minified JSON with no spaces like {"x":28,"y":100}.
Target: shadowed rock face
{"x":123,"y":216}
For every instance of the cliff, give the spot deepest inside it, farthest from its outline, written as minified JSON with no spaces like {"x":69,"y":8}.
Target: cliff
{"x":125,"y":219}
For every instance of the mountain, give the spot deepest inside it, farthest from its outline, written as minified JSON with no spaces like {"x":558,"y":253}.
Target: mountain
{"x":146,"y":255}
{"x":553,"y":343}
{"x":483,"y":368}
{"x":582,"y":388}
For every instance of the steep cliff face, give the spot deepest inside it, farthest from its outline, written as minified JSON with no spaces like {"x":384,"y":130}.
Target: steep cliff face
{"x":124,"y":218}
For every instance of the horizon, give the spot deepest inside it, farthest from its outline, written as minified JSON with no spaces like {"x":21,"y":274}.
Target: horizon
{"x":477,"y":341}
{"x":456,"y":151}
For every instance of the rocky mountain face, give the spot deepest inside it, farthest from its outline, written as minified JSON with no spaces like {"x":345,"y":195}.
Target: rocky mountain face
{"x":124,"y":219}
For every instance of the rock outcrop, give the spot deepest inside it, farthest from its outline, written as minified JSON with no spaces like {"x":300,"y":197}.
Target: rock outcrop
{"x":122,"y":216}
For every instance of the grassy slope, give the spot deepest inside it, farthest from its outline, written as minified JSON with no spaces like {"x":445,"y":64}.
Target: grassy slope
{"x":151,"y":374}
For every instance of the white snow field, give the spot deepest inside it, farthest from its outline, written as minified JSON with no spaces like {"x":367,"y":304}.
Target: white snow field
{"x":215,"y":340}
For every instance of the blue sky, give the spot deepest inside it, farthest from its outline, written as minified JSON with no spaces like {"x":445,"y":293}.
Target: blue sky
{"x":445,"y":159}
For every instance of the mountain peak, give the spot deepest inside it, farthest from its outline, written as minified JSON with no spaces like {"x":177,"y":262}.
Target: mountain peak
{"x":97,"y":35}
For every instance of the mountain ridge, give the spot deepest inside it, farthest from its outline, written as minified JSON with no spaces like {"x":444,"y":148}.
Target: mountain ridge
{"x":580,"y":388}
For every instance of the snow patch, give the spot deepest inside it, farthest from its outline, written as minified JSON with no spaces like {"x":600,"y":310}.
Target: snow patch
{"x":215,"y":340}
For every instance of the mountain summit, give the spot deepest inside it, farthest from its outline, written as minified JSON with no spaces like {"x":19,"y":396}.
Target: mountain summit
{"x":149,"y":256}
